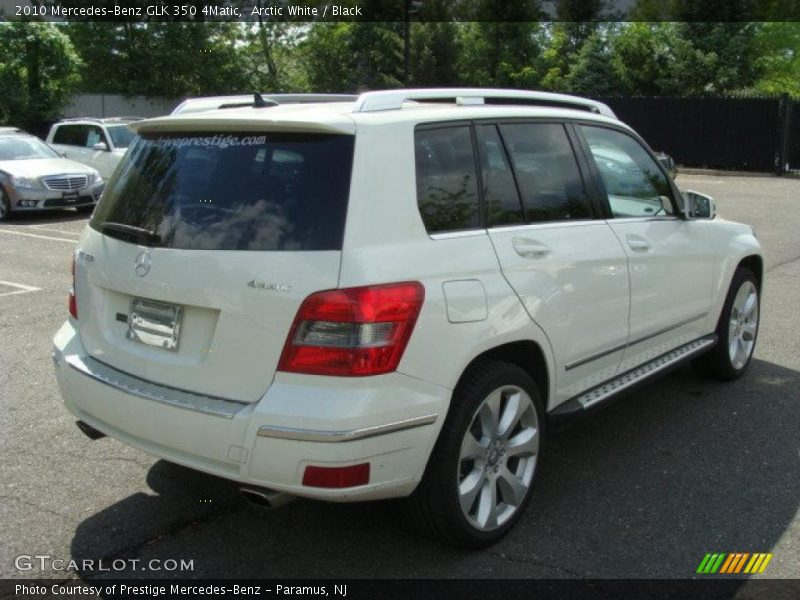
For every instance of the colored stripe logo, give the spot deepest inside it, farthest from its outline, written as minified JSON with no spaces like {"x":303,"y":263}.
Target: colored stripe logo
{"x":728,"y":563}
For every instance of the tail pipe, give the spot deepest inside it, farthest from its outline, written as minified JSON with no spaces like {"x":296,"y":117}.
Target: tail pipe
{"x":89,"y":431}
{"x":264,"y":498}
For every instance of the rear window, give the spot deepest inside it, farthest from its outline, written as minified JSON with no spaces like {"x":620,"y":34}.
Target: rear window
{"x":447,"y":189}
{"x":220,"y":191}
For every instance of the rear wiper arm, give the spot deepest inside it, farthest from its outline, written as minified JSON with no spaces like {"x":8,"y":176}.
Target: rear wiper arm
{"x":140,"y":232}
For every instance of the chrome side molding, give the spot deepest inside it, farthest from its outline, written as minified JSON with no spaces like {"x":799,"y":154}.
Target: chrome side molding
{"x":635,"y":376}
{"x":580,"y":362}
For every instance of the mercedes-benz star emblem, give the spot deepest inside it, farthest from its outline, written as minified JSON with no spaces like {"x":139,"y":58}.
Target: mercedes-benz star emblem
{"x":142,"y":263}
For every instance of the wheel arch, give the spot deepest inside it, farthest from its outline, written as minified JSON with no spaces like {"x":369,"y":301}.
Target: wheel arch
{"x":526,"y":354}
{"x":755,"y":263}
{"x":744,"y":251}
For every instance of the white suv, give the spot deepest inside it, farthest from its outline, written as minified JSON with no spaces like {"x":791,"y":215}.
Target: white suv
{"x":393,"y":296}
{"x":99,"y":143}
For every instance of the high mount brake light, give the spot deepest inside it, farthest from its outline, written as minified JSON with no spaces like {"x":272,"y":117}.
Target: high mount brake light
{"x":353,"y":332}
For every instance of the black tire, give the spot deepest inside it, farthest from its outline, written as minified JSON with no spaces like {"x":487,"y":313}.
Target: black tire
{"x":434,"y":507}
{"x":718,"y":363}
{"x":5,"y":206}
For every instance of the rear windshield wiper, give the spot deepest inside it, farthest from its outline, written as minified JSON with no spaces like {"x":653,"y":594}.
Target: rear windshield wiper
{"x":138,"y":233}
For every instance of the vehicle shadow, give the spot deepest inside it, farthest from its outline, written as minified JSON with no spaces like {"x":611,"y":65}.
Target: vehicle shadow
{"x":643,"y":489}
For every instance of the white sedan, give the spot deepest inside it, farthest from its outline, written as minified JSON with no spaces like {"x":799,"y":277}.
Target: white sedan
{"x":33,"y":176}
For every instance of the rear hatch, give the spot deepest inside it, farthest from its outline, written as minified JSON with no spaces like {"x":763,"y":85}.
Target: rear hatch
{"x":202,"y":249}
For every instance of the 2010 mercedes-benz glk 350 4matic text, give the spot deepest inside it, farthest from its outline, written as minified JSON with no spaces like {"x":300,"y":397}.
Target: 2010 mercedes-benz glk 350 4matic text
{"x":392,"y":296}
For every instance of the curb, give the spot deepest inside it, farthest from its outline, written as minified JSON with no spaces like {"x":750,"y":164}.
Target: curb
{"x":721,"y":173}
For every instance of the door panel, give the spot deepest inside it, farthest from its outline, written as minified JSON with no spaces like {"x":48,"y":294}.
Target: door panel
{"x":569,"y":270}
{"x":573,"y":280}
{"x":670,"y":262}
{"x":671,"y":273}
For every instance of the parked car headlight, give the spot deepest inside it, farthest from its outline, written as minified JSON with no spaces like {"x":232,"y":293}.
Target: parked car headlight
{"x":95,"y":179}
{"x":29,"y":183}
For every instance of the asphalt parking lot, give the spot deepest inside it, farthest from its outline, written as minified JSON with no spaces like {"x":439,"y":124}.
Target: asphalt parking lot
{"x":643,"y":489}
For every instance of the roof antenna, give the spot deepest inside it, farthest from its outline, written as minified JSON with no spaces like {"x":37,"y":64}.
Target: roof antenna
{"x":259,"y":102}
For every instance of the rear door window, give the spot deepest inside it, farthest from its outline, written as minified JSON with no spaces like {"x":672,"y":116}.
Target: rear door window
{"x":447,"y":188}
{"x":547,"y":172}
{"x":497,"y":179}
{"x":220,"y":191}
{"x":71,"y":135}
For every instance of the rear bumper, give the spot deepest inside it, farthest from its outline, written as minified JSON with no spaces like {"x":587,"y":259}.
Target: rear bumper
{"x":390,"y":421}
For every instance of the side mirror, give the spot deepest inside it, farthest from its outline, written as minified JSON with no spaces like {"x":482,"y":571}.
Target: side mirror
{"x":699,"y":206}
{"x":100,"y":146}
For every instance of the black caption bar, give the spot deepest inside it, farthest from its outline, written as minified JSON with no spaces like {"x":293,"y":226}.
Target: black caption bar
{"x":401,"y":10}
{"x":507,"y":589}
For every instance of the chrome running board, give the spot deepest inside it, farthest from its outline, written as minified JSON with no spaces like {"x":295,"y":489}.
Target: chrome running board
{"x":635,"y":376}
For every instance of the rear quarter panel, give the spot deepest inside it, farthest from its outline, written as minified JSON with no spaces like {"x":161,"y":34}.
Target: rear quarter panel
{"x":386,"y":241}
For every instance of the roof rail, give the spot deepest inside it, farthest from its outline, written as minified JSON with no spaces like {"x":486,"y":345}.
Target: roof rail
{"x":394,"y":99}
{"x":101,"y":119}
{"x":69,"y":119}
{"x":309,"y":98}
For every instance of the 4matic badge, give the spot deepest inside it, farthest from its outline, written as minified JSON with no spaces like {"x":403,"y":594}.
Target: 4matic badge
{"x":274,"y":287}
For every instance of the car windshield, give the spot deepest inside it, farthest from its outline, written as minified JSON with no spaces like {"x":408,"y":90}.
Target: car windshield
{"x":18,"y":147}
{"x":121,"y":135}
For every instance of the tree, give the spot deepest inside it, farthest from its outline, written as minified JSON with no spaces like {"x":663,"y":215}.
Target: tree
{"x":723,"y":57}
{"x":170,"y":59}
{"x":778,"y":57}
{"x":38,"y":72}
{"x":271,"y":55}
{"x":348,"y":56}
{"x":593,"y":73}
{"x":435,"y":48}
{"x":643,"y":55}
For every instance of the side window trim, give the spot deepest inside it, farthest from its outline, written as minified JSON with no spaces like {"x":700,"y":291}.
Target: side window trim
{"x":600,"y":206}
{"x":513,"y":170}
{"x":483,"y":206}
{"x":598,"y":182}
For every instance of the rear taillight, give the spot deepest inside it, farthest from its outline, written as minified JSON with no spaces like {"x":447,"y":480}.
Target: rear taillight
{"x":73,"y":304}
{"x":353,"y":332}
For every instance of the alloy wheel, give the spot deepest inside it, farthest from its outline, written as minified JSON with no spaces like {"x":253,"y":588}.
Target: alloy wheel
{"x":498,"y":457}
{"x":743,"y":325}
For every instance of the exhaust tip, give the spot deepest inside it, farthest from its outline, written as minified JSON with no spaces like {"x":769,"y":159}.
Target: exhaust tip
{"x":89,"y":431}
{"x":265,"y":499}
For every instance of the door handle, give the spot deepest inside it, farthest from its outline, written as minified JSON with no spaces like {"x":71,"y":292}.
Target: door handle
{"x":528,"y":248}
{"x":638,"y":244}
